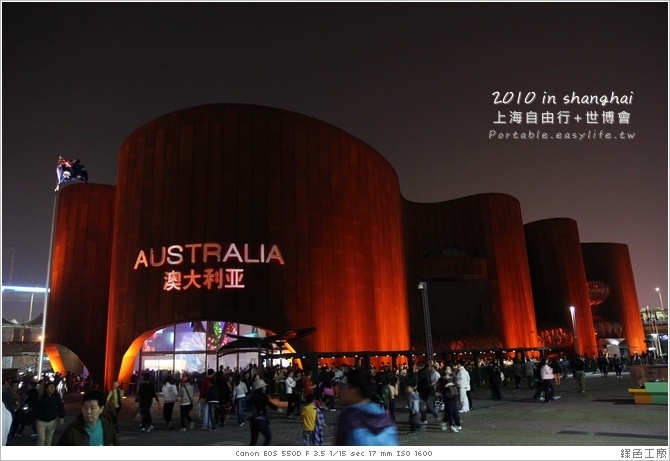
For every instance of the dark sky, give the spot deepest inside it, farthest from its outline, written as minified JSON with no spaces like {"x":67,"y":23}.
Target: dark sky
{"x":415,"y":81}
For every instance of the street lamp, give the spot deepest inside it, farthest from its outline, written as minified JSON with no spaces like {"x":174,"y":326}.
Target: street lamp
{"x":574,"y":328}
{"x":423,"y":286}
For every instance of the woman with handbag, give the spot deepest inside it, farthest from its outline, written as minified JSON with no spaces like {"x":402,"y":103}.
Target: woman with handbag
{"x":450,"y":392}
{"x":185,"y":403}
{"x":49,"y":412}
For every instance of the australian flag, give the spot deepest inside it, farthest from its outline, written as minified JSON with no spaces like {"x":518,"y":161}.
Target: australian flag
{"x":70,"y":170}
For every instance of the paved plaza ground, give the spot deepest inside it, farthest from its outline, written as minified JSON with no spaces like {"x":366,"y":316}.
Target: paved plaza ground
{"x":603,"y":416}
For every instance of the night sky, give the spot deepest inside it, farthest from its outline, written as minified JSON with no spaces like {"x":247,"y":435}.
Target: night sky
{"x":414,"y":81}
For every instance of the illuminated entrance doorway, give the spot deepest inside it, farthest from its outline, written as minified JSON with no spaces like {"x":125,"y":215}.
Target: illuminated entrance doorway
{"x":191,"y":347}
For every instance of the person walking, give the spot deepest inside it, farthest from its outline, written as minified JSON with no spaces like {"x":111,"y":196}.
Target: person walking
{"x":114,"y":403}
{"x":206,"y":383}
{"x":495,"y":379}
{"x":516,"y":373}
{"x":451,"y":421}
{"x":49,"y":412}
{"x":463,"y":380}
{"x":147,"y":394}
{"x":426,"y":391}
{"x":616,"y":363}
{"x":169,"y":399}
{"x":579,"y":371}
{"x":547,"y":375}
{"x":91,"y":428}
{"x":259,"y":422}
{"x":363,"y":422}
{"x":414,"y":405}
{"x":26,"y":415}
{"x":309,"y":414}
{"x":239,"y":395}
{"x":12,"y":401}
{"x":185,"y":403}
{"x":213,"y":398}
{"x":290,"y":384}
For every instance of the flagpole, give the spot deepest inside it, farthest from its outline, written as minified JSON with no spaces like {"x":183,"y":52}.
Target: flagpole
{"x":48,"y":284}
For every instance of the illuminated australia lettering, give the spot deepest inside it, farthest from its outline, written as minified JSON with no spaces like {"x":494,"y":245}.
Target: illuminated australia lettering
{"x":206,"y":253}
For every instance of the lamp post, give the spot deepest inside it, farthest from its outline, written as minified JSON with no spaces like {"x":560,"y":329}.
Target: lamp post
{"x":574,"y":328}
{"x":11,"y":266}
{"x":423,"y":286}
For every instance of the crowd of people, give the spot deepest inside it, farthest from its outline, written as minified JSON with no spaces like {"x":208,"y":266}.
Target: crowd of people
{"x":371,"y":397}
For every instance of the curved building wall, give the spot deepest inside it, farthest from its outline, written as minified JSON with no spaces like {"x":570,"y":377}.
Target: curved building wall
{"x":227,"y":174}
{"x":80,"y":274}
{"x":610,"y":262}
{"x":559,"y":279}
{"x":491,"y":289}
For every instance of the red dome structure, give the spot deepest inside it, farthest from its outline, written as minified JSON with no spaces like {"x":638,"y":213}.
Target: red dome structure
{"x":598,"y":292}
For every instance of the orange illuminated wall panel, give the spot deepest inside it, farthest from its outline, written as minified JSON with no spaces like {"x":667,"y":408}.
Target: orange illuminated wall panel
{"x":80,"y":272}
{"x":610,"y":263}
{"x":490,"y":282}
{"x":559,"y":279}
{"x":196,"y":181}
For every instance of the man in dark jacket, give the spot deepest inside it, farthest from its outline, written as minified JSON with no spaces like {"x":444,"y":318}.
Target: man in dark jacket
{"x":259,"y":422}
{"x":426,"y":391}
{"x":147,"y":394}
{"x":495,"y":379}
{"x":91,"y":428}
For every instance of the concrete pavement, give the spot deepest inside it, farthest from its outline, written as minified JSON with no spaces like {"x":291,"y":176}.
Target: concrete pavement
{"x":603,"y":416}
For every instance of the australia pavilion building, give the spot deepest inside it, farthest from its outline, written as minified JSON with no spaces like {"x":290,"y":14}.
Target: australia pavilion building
{"x":250,"y":220}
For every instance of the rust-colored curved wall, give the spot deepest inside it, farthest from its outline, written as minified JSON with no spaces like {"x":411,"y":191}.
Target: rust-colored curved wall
{"x":229,"y":173}
{"x":610,"y":262}
{"x":559,"y":279}
{"x":487,"y":227}
{"x":80,"y":271}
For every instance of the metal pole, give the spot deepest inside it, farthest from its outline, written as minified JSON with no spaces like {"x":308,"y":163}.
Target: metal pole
{"x":574,"y":329}
{"x":423,"y":286}
{"x":48,"y":284}
{"x":11,"y":266}
{"x":30,"y":312}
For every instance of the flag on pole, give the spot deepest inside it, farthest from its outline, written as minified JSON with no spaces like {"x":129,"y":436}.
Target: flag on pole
{"x":70,"y":170}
